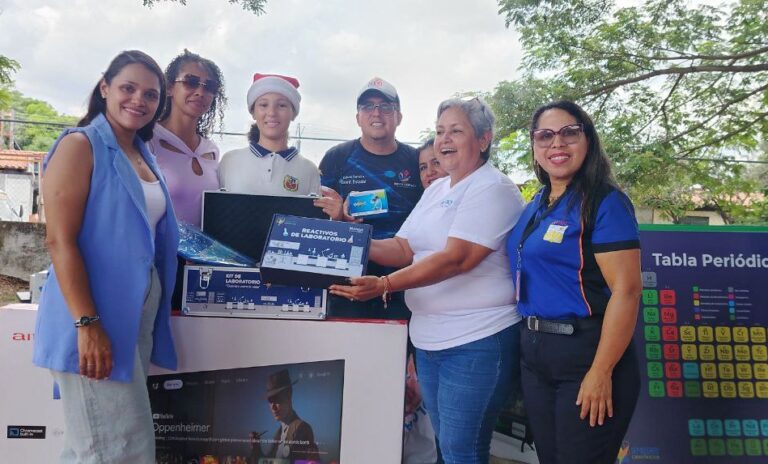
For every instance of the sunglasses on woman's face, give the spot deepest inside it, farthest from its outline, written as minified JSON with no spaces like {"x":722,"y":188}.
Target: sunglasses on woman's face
{"x":192,"y":82}
{"x":570,"y":134}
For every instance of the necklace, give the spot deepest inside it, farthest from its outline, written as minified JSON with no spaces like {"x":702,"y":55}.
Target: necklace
{"x":551,"y":199}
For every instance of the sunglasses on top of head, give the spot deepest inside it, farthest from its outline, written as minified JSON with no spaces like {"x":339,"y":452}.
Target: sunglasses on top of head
{"x":192,"y":82}
{"x":570,"y":134}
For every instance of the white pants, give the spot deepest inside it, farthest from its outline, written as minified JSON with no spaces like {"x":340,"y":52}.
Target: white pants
{"x":111,"y":422}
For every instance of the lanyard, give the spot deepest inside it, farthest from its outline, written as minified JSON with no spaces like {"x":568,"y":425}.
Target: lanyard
{"x":533,"y":223}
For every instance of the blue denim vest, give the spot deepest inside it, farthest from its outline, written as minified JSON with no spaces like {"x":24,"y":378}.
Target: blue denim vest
{"x":116,"y":244}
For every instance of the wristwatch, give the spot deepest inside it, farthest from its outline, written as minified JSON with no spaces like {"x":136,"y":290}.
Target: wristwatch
{"x":85,"y":321}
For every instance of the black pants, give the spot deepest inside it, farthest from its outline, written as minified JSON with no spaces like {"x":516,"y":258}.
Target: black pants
{"x":553,"y":367}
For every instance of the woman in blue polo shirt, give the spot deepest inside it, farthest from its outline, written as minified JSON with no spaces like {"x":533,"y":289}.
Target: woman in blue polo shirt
{"x":575,"y":254}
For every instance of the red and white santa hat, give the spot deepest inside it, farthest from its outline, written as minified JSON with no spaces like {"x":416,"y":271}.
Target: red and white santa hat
{"x":283,"y":85}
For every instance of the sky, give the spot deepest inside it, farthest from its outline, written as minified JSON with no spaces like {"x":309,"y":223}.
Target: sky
{"x":428,"y":49}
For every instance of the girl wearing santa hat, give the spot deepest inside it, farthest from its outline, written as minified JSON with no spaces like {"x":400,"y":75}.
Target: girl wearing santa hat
{"x":268,"y":166}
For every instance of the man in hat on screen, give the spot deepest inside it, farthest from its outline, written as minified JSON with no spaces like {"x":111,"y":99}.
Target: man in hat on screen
{"x":294,"y":439}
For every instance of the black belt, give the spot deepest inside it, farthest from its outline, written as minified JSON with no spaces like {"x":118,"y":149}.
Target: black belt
{"x":561,"y":327}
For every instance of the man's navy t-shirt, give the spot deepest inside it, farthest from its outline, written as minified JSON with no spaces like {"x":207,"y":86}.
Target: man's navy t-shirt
{"x":349,"y":167}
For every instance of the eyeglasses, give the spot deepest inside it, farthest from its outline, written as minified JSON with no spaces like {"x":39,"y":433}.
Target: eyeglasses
{"x":192,"y":82}
{"x":570,"y":134}
{"x":385,"y":108}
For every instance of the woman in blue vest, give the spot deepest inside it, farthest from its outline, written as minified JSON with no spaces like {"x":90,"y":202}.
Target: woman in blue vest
{"x":112,"y":237}
{"x":575,"y":252}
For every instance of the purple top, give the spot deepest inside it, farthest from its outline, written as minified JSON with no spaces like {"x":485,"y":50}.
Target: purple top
{"x":187,"y":172}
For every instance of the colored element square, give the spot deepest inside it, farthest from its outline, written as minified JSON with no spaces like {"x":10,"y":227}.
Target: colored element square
{"x":710,"y":389}
{"x":656,"y":389}
{"x":752,"y":447}
{"x":750,"y":428}
{"x":714,"y":427}
{"x":651,"y":315}
{"x":716,"y":447}
{"x":692,"y":389}
{"x":669,"y":333}
{"x":655,"y":370}
{"x":746,"y":390}
{"x":740,"y":335}
{"x":757,"y":334}
{"x":706,"y":334}
{"x":732,"y":427}
{"x":671,"y":352}
{"x":708,"y":370}
{"x":765,"y":446}
{"x":695,"y":288}
{"x":726,"y":371}
{"x":764,"y":427}
{"x":667,"y":297}
{"x":687,"y":333}
{"x":672,"y":370}
{"x":690,"y":370}
{"x":724,"y":352}
{"x":689,"y":352}
{"x":723,"y":334}
{"x":675,"y":389}
{"x":728,"y":389}
{"x":759,"y":353}
{"x":698,"y":447}
{"x":744,"y":371}
{"x":735,"y":447}
{"x":668,"y":315}
{"x":707,"y":352}
{"x":652,"y":333}
{"x":653,"y":351}
{"x":761,"y":389}
{"x":742,"y":353}
{"x":650,"y":297}
{"x":696,"y":427}
{"x":761,"y":371}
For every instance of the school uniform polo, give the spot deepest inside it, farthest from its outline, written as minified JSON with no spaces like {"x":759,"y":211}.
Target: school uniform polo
{"x":259,"y":171}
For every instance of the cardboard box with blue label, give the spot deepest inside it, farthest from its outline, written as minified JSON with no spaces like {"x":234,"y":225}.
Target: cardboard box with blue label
{"x":314,"y":252}
{"x":241,"y":292}
{"x":368,"y":204}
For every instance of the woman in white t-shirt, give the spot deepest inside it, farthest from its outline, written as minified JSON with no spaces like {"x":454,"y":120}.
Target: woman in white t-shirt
{"x":457,"y":278}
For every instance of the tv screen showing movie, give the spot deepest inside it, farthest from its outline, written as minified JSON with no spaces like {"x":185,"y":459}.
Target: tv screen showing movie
{"x":279,"y":414}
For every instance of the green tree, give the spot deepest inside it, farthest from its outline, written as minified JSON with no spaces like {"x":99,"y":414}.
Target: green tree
{"x":7,"y":68}
{"x":677,"y":89}
{"x":254,"y":6}
{"x":37,"y":137}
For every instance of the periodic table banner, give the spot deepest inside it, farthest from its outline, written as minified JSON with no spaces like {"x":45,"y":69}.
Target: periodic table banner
{"x":701,"y":340}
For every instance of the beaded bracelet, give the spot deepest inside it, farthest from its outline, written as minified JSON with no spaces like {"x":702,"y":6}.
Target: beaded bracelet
{"x":385,"y":297}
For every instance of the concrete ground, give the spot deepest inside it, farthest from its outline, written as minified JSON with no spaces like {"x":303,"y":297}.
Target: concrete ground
{"x":495,"y":460}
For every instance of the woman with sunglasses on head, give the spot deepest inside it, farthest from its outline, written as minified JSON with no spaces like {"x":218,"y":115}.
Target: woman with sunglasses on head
{"x":188,"y":159}
{"x":104,"y":312}
{"x":268,"y":166}
{"x":576,"y":255}
{"x":455,"y":273}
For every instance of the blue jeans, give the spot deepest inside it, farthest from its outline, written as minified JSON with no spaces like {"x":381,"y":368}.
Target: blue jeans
{"x":464,"y":388}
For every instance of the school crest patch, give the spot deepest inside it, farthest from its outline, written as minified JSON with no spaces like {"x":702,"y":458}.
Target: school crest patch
{"x":290,"y":183}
